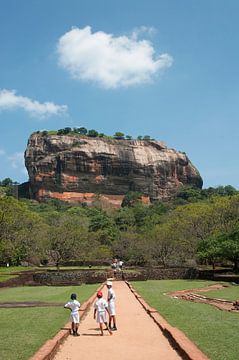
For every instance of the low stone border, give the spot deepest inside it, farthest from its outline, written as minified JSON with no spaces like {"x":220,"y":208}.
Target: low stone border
{"x":186,"y":348}
{"x":49,"y":349}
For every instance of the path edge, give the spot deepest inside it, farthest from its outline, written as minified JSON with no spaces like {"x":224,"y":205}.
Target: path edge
{"x":184,"y":346}
{"x":48,"y":350}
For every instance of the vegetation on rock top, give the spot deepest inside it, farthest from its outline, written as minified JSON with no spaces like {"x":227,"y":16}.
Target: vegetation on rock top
{"x":92,"y":133}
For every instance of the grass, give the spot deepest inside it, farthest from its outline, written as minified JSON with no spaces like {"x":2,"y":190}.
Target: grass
{"x":46,"y":293}
{"x":26,"y":329}
{"x":13,"y":269}
{"x":228,"y":293}
{"x":6,"y":277}
{"x":214,"y":331}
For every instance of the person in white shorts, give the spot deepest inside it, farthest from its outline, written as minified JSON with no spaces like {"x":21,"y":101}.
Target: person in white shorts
{"x":74,"y":306}
{"x":111,"y":305}
{"x":100,"y":309}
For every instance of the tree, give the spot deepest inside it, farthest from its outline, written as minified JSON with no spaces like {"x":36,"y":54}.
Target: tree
{"x":60,"y":131}
{"x":139,"y":137}
{"x":92,"y":133}
{"x":6,"y":182}
{"x":128,"y":137}
{"x":131,"y":198}
{"x":163,"y":246}
{"x":119,"y":135}
{"x":102,"y":226}
{"x":66,"y":239}
{"x":19,"y":231}
{"x":82,"y":130}
{"x":210,"y":250}
{"x":188,"y":194}
{"x":230,"y":247}
{"x":66,"y":130}
{"x":146,"y":137}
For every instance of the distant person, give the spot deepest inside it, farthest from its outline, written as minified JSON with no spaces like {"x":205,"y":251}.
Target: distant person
{"x":74,"y":306}
{"x":100,"y":309}
{"x":114,"y":266}
{"x":111,"y":306}
{"x":120,"y":264}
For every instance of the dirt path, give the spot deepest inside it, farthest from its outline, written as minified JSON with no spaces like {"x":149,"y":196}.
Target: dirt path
{"x":25,"y":304}
{"x":137,"y":338}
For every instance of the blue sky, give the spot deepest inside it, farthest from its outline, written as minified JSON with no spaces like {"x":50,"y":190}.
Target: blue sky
{"x":168,"y":69}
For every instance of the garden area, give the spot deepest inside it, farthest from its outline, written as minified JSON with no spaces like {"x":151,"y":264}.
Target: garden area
{"x":214,"y":331}
{"x":24,"y":330}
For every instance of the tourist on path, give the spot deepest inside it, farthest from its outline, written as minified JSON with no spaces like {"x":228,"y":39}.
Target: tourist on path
{"x":100,"y":309}
{"x":111,"y":306}
{"x":74,"y":306}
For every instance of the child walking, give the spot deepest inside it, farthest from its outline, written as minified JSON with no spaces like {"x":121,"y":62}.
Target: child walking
{"x":74,"y":306}
{"x":111,"y":305}
{"x":100,"y":309}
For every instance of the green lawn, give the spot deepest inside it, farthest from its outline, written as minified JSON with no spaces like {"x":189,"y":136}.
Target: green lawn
{"x":229,"y":293}
{"x":214,"y":331}
{"x":13,"y":269}
{"x":26,"y":329}
{"x":5,"y":277}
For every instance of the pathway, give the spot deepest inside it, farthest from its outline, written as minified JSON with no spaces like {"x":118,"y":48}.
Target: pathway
{"x":137,"y":338}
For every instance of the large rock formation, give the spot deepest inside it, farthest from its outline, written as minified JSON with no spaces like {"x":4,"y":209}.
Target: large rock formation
{"x":85,"y":169}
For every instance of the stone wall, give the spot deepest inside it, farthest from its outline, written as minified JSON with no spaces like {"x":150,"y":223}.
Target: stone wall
{"x":78,"y":277}
{"x":74,"y":277}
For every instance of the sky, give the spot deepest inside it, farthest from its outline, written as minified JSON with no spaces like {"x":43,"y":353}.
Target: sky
{"x":164,"y":68}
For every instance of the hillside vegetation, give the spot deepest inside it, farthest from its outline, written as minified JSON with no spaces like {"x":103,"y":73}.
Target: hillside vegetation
{"x":197,"y":226}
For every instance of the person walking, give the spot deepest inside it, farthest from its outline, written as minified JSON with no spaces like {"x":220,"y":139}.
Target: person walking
{"x":100,"y":308}
{"x":74,"y":306}
{"x":111,"y":305}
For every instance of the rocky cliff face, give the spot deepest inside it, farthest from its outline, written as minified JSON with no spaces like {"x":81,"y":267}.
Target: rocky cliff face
{"x":85,"y":169}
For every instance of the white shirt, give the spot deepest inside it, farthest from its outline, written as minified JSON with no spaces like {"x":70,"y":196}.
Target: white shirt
{"x":101,"y":305}
{"x":111,"y":295}
{"x":74,"y":305}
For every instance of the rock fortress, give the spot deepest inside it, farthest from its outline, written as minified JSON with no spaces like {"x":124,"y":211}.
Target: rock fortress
{"x":81,"y":169}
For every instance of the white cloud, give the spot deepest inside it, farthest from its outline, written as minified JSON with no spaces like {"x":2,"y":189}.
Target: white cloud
{"x":108,"y":60}
{"x":2,"y":152}
{"x":138,"y":31}
{"x":9,"y":100}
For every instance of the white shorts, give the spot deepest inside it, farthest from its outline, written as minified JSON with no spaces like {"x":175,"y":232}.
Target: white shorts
{"x":75,"y":318}
{"x":111,"y":307}
{"x":101,"y":317}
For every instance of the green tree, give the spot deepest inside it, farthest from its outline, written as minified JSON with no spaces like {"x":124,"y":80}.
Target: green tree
{"x":92,"y":133}
{"x":210,"y":250}
{"x":119,"y":135}
{"x":131,"y":198}
{"x":6,"y":182}
{"x":82,"y":130}
{"x":230,"y":247}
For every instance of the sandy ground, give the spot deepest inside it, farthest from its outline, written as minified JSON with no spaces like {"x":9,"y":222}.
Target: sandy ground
{"x":137,"y":338}
{"x":192,"y":295}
